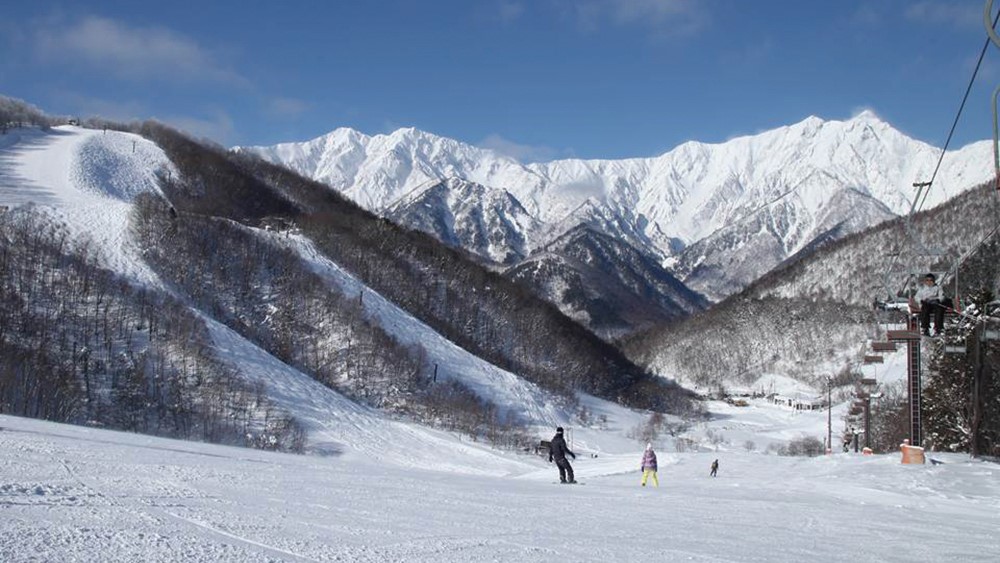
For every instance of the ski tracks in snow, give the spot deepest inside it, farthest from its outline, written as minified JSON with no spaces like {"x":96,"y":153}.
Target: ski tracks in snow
{"x":86,"y":180}
{"x":511,"y":393}
{"x":336,"y":423}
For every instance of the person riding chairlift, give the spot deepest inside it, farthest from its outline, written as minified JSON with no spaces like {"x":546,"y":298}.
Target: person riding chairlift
{"x":931,"y":299}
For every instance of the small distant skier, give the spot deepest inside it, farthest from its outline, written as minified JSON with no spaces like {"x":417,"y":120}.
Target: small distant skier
{"x":715,"y":467}
{"x":932,"y":300}
{"x":649,"y":465}
{"x":557,"y":453}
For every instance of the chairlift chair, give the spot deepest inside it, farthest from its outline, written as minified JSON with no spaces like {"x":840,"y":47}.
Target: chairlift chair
{"x":902,"y":335}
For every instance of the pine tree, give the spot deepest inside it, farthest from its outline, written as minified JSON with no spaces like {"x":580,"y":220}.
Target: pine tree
{"x":953,"y":410}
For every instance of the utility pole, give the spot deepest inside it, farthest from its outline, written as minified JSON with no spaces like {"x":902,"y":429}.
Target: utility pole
{"x":829,"y":415}
{"x":868,"y":416}
{"x":977,"y":347}
{"x":980,"y":336}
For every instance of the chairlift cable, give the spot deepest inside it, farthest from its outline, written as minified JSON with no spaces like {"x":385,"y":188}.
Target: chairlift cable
{"x":923,"y":188}
{"x":991,"y":31}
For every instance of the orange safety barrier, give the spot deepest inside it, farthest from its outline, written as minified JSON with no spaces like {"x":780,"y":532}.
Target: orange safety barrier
{"x":911,"y":454}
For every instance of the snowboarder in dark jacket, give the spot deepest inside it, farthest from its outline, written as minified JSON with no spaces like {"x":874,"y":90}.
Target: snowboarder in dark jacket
{"x":557,"y":453}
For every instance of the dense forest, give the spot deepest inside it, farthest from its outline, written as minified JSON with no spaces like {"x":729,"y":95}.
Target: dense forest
{"x":80,"y":344}
{"x":814,"y":316}
{"x":84,"y":345}
{"x":470,"y":305}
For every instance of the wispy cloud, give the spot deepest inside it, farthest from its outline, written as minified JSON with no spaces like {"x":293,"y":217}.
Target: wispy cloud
{"x":663,"y":17}
{"x":509,"y":11}
{"x":867,"y":15}
{"x":858,"y":110}
{"x":132,"y":52}
{"x":961,"y":15}
{"x":218,"y":127}
{"x":114,"y":110}
{"x":517,"y":151}
{"x":286,"y":107}
{"x":751,"y":55}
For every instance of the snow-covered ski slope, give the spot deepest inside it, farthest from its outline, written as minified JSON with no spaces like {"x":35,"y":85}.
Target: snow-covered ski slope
{"x":86,"y":180}
{"x":377,"y":489}
{"x":533,"y":404}
{"x":77,"y":494}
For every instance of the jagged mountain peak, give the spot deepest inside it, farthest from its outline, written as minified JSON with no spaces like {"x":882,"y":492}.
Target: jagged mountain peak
{"x":488,"y":222}
{"x":783,"y":182}
{"x":574,"y":235}
{"x":605,"y":283}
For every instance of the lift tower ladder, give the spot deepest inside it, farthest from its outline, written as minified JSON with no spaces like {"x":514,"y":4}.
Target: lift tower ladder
{"x":911,"y":337}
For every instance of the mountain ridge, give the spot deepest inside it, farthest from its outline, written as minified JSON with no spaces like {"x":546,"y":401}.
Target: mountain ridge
{"x":700,"y":209}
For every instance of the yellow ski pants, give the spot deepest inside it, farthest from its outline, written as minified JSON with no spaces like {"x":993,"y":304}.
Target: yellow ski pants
{"x":646,"y":473}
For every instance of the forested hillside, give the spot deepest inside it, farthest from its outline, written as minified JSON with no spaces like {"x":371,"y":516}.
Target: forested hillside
{"x":472,"y":306}
{"x":80,"y":344}
{"x":823,"y":300}
{"x":814,"y":316}
{"x":735,"y":342}
{"x":872,"y":264}
{"x":224,"y":236}
{"x":605,"y":284}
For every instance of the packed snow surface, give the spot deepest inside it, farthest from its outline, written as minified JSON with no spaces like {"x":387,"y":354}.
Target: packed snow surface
{"x":87,"y":180}
{"x":79,"y":494}
{"x":377,"y":489}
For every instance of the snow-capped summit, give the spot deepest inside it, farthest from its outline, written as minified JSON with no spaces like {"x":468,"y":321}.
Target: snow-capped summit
{"x":488,"y":222}
{"x":375,"y":171}
{"x":790,"y":183}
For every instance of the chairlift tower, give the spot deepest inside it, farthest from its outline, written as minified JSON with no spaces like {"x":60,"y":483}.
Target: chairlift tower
{"x":864,"y":401}
{"x":911,"y":337}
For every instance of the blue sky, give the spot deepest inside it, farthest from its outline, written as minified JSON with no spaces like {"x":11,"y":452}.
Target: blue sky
{"x":538,"y":79}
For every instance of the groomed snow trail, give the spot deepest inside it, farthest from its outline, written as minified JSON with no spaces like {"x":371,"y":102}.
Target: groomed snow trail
{"x":530,"y":403}
{"x":337,"y":425}
{"x":78,"y":494}
{"x":86,"y":180}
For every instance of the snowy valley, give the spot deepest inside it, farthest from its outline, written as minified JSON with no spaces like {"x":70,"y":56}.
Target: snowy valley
{"x":73,"y":493}
{"x":153,"y":285}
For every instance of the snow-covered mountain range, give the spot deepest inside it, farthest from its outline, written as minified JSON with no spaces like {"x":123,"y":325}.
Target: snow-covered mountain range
{"x":716,"y":215}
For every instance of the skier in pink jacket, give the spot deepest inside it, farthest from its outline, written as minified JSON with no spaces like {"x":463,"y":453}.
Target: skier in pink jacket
{"x":649,"y":465}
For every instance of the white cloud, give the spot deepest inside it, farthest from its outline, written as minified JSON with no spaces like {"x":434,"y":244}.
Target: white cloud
{"x":664,"y":17}
{"x":962,"y":15}
{"x":218,"y":127}
{"x":867,"y":16}
{"x":286,"y":107}
{"x":132,"y":53}
{"x":519,"y":152}
{"x":858,"y":110}
{"x":510,"y":11}
{"x":114,"y":110}
{"x":388,"y":126}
